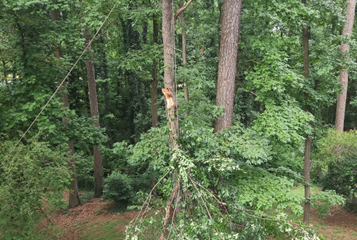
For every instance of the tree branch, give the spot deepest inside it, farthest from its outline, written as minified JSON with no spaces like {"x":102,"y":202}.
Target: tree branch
{"x":182,"y":9}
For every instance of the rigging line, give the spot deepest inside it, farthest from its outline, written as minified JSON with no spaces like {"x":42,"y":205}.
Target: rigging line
{"x":85,"y":49}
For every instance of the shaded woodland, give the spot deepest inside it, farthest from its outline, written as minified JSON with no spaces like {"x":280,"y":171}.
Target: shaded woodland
{"x":202,"y":115}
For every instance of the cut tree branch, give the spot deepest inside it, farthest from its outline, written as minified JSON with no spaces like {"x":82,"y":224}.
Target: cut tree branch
{"x":182,"y":9}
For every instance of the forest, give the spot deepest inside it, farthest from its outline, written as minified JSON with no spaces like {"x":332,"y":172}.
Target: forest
{"x":202,"y":118}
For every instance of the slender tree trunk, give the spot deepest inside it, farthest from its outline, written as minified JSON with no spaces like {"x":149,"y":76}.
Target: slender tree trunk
{"x":307,"y":179}
{"x":106,"y":91}
{"x":307,"y":161}
{"x":73,"y":187}
{"x":307,"y":139}
{"x":184,"y":58}
{"x":98,"y":171}
{"x":341,"y":98}
{"x":154,"y":74}
{"x":227,"y":62}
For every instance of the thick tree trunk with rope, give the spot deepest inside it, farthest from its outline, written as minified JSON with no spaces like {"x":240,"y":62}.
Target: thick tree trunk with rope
{"x":98,"y":171}
{"x":227,"y":62}
{"x":341,"y":98}
{"x":73,"y":188}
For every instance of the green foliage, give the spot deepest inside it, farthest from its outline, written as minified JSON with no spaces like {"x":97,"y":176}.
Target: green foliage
{"x":32,"y":182}
{"x":334,"y":147}
{"x":123,"y":189}
{"x":84,"y":132}
{"x":342,"y":177}
{"x":214,"y":219}
{"x":335,"y":167}
{"x":85,"y":197}
{"x":118,"y":187}
{"x":334,"y":161}
{"x":285,"y":124}
{"x":251,"y":168}
{"x":84,"y":171}
{"x":261,"y":190}
{"x":151,"y":154}
{"x":236,"y":142}
{"x":323,"y":201}
{"x":117,"y":157}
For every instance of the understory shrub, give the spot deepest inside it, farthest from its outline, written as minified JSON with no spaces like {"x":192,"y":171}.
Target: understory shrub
{"x":122,"y":188}
{"x":334,"y":164}
{"x":32,"y":181}
{"x":342,"y":177}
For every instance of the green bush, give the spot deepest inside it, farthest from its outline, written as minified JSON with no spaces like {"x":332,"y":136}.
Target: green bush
{"x":334,"y":163}
{"x":123,"y":189}
{"x":333,"y":149}
{"x":323,"y":201}
{"x":342,"y":177}
{"x":117,"y":187}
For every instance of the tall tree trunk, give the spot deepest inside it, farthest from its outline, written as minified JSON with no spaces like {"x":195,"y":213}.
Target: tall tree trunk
{"x":73,"y":187}
{"x":154,"y":74}
{"x":305,"y":37}
{"x":308,"y":139}
{"x":98,"y":171}
{"x":227,"y":62}
{"x":184,"y":58}
{"x":106,"y":91}
{"x":341,"y":98}
{"x":168,"y":36}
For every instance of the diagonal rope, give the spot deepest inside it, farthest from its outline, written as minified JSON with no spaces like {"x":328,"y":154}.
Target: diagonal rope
{"x":64,"y":79}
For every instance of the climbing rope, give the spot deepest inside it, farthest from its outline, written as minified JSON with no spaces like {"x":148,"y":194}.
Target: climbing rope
{"x":60,"y":85}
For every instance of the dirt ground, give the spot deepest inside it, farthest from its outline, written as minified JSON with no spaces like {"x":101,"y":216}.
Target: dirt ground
{"x":75,"y":223}
{"x":340,"y":225}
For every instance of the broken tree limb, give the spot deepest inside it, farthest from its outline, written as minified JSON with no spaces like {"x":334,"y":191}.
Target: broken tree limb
{"x":169,"y":210}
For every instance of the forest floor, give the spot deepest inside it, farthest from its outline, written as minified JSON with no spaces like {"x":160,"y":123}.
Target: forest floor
{"x":93,"y":220}
{"x":340,"y":225}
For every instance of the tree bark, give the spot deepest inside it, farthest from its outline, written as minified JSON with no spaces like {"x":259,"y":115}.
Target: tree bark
{"x":73,"y":187}
{"x":307,"y":161}
{"x":307,"y":180}
{"x":168,"y":36}
{"x":227,"y":62}
{"x":154,"y":74}
{"x":341,"y":98}
{"x":98,"y":171}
